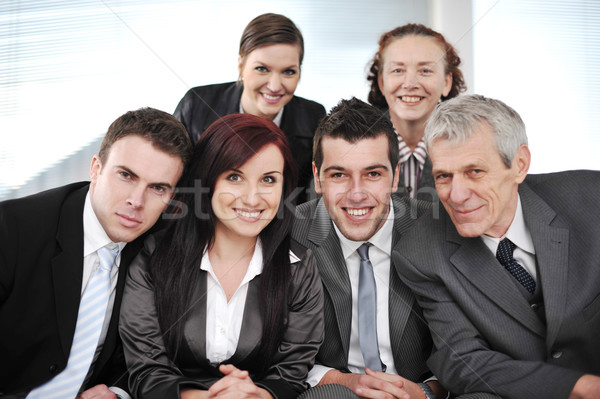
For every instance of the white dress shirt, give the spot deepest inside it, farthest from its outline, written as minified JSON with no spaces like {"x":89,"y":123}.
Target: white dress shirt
{"x":519,"y":234}
{"x":379,"y":254}
{"x":94,"y":238}
{"x":224,"y":319}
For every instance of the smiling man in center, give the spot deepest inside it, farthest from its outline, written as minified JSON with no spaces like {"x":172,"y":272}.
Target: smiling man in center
{"x":355,"y":166}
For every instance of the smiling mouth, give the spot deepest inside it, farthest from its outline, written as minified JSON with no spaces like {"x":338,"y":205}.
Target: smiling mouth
{"x":411,"y":99}
{"x":272,"y":97}
{"x":128,"y":221}
{"x":357,"y":211}
{"x":247,"y":214}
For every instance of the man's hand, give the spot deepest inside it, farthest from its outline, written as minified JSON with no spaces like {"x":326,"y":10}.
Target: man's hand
{"x":587,"y":387}
{"x":98,"y":392}
{"x":373,"y":385}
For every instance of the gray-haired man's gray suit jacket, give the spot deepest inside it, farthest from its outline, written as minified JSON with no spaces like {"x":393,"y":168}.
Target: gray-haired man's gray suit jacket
{"x":486,"y":335}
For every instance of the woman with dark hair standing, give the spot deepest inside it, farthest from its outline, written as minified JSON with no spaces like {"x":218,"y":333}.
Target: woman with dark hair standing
{"x":269,"y":64}
{"x":228,"y":305}
{"x":414,"y":69}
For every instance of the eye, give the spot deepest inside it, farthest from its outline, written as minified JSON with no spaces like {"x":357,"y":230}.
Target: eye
{"x":427,"y":71}
{"x":337,"y":175}
{"x":125,"y":175}
{"x":442,"y":177}
{"x":373,"y":174}
{"x":398,"y":70}
{"x":290,"y":72}
{"x":261,"y":69}
{"x":234,"y":177}
{"x":476,"y":172}
{"x":159,"y":189}
{"x":269,"y":179}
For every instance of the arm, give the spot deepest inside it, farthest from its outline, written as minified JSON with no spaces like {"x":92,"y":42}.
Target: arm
{"x":303,"y":336}
{"x":462,"y":358}
{"x":152,"y":373}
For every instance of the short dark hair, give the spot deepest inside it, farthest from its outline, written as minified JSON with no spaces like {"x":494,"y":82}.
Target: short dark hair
{"x":162,"y":129}
{"x":354,"y":120}
{"x":267,"y":29}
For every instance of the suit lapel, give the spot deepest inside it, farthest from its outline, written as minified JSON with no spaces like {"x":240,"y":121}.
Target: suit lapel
{"x":333,"y":270}
{"x":401,"y":298}
{"x":551,"y":244}
{"x":252,"y":324}
{"x":478,"y":265}
{"x":195,"y":326}
{"x":67,"y":266}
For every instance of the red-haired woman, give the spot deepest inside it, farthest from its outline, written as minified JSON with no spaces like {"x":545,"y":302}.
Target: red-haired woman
{"x":269,"y":64}
{"x":414,"y":69}
{"x":228,"y":304}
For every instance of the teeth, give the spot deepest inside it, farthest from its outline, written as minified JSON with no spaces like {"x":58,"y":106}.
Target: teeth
{"x":270,"y":97}
{"x":408,"y":99}
{"x":245,"y":214}
{"x":357,"y":212}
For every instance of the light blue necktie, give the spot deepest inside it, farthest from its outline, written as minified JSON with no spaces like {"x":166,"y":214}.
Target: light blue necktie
{"x":367,"y":311}
{"x":90,"y":319}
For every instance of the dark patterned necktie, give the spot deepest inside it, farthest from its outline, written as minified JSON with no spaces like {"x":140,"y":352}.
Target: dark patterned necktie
{"x":504,"y":254}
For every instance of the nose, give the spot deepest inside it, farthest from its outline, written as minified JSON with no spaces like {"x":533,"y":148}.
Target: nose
{"x":274,"y":84}
{"x":459,"y":190}
{"x":410,"y":79}
{"x":357,"y":192}
{"x":251,"y":196}
{"x":136,"y":197}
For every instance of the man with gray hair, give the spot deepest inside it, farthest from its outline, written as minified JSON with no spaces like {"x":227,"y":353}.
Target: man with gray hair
{"x":508,"y":276}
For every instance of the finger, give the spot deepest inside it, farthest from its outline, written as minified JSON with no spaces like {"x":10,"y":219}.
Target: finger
{"x":394,"y":379}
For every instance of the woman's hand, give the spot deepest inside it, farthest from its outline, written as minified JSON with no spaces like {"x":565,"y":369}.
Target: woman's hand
{"x":236,"y":384}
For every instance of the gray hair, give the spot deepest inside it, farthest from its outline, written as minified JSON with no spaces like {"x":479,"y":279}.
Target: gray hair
{"x":456,"y":119}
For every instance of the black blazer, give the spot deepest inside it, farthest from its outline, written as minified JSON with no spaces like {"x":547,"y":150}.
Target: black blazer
{"x":155,"y":375}
{"x":41,"y":270}
{"x":203,"y":105}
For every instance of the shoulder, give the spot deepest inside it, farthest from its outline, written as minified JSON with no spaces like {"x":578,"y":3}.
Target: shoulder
{"x":305,"y":214}
{"x":573,"y":180}
{"x":42,"y":206}
{"x":310,"y":105}
{"x":207,"y":93}
{"x":303,"y":264}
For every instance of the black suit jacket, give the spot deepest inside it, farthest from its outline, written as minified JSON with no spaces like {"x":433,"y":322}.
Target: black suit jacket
{"x":155,"y":376}
{"x":411,"y":341}
{"x":487,"y":336}
{"x":203,"y":105}
{"x":41,"y":270}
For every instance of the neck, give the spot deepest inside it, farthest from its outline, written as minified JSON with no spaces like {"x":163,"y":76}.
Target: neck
{"x":411,"y":131}
{"x":231,"y":250}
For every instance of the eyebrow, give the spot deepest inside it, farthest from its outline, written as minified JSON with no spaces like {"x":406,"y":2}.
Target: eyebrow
{"x":135,"y":176}
{"x":371,"y":167}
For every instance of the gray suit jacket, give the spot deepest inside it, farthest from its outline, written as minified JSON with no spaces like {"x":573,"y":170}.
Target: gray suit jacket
{"x":411,"y":341}
{"x":486,"y":335}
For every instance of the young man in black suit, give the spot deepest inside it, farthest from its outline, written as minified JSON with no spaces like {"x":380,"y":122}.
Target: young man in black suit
{"x":51,"y":261}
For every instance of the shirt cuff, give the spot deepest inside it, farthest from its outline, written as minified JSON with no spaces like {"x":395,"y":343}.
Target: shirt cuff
{"x":316,"y":374}
{"x":121,"y":394}
{"x":434,"y":378}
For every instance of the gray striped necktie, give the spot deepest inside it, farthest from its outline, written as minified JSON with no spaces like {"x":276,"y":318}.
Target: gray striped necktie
{"x":90,"y":319}
{"x":367,"y":311}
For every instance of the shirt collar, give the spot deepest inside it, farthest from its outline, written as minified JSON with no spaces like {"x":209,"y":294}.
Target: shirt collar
{"x":276,"y":120}
{"x":518,"y":233}
{"x":94,"y":236}
{"x":420,"y":151}
{"x":382,"y":239}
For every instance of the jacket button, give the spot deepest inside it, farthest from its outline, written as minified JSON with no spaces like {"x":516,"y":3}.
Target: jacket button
{"x":557,"y":354}
{"x":53,"y":368}
{"x":535,"y":307}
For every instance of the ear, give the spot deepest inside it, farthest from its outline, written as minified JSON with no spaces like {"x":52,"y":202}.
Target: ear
{"x":240,"y":65}
{"x":521,"y":163}
{"x":447,"y":84}
{"x":95,"y":169}
{"x":318,"y":188}
{"x":396,"y":178}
